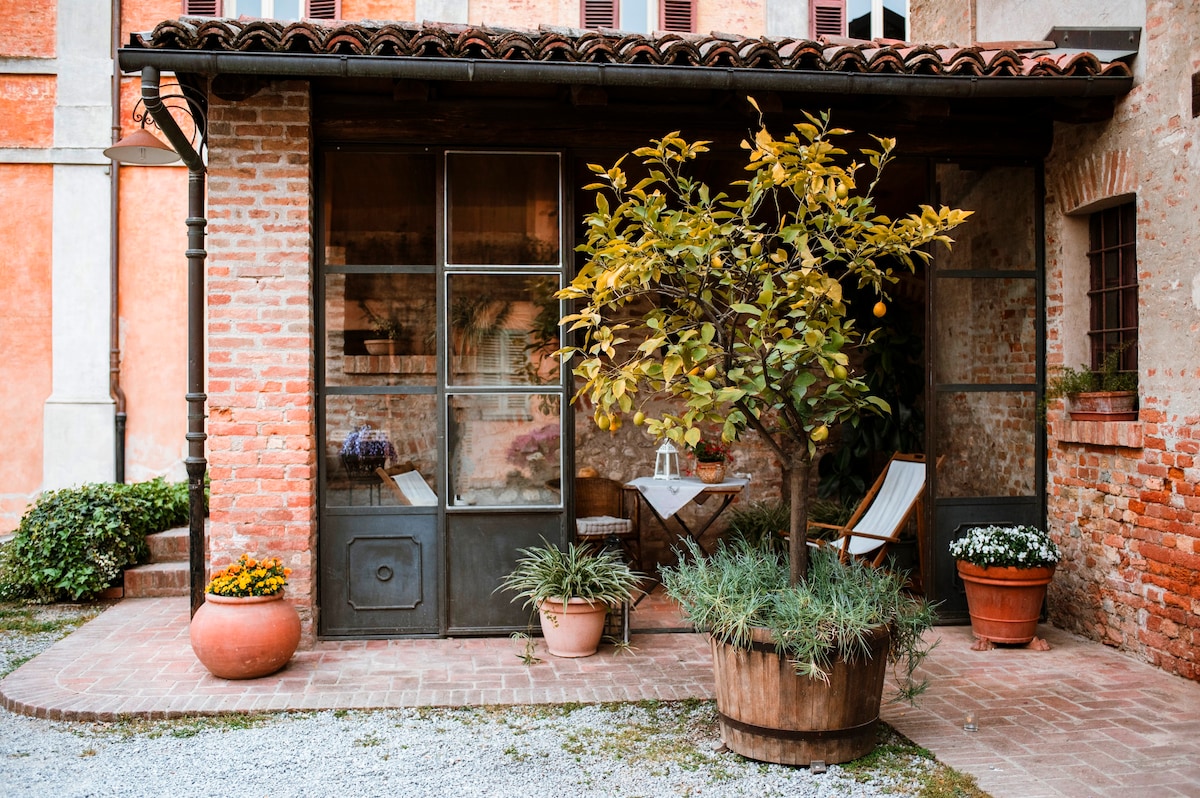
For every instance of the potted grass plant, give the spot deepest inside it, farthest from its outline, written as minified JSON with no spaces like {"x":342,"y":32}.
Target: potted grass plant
{"x":572,"y":590}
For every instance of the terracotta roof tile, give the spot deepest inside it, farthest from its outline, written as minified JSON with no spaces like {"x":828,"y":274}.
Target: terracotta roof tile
{"x":604,"y":46}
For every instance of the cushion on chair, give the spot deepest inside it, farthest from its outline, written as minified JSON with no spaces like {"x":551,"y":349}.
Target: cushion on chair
{"x":603,"y":526}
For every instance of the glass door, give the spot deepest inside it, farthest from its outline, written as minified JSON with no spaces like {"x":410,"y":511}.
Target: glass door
{"x":441,"y":401}
{"x":987,"y":349}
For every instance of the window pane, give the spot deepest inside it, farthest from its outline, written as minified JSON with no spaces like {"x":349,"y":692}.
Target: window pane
{"x":1003,"y":196}
{"x":858,"y":19}
{"x":504,"y":209}
{"x":362,"y":433}
{"x":635,"y":16}
{"x":503,"y":329}
{"x":989,"y":441}
{"x":505,"y":449}
{"x":895,"y":19}
{"x":986,"y":330}
{"x":288,"y":10}
{"x":380,"y":329}
{"x":380,"y":208}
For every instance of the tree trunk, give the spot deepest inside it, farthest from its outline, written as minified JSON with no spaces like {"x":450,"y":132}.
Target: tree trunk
{"x":800,"y":469}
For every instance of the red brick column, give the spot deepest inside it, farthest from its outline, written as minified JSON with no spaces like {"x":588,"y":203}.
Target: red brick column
{"x":261,"y":371}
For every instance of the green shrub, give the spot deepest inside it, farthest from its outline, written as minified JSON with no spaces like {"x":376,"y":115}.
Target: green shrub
{"x":72,"y":543}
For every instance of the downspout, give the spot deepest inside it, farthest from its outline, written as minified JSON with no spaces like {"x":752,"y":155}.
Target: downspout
{"x":114,"y":272}
{"x":194,"y":462}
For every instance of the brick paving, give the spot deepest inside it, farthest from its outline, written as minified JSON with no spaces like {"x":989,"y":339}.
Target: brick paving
{"x":1078,"y":720}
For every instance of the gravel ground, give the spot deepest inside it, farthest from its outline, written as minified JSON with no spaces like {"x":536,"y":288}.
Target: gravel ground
{"x":645,"y":749}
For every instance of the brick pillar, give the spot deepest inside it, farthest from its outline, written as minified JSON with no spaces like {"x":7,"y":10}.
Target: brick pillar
{"x":261,"y":371}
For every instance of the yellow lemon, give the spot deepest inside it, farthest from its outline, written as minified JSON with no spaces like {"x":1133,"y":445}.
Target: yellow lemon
{"x":639,"y":418}
{"x":839,"y":372}
{"x":820,"y":433}
{"x":710,"y":372}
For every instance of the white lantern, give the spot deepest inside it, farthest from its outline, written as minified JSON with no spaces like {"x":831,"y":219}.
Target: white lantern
{"x":666,"y":462}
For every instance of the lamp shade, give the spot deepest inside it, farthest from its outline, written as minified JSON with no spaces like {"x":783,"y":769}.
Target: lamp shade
{"x":141,"y":147}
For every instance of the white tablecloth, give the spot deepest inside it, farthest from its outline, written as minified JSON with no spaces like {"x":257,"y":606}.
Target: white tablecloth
{"x":668,"y":496}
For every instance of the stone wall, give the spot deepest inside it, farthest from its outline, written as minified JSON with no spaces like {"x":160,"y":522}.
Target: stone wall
{"x":261,"y":377}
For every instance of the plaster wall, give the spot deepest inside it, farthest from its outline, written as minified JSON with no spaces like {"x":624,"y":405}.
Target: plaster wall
{"x":26,"y":197}
{"x":1125,"y":499}
{"x":380,"y":9}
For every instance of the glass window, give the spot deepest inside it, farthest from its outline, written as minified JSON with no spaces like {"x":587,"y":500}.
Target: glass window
{"x":397,"y":433}
{"x":875,"y":19}
{"x":503,"y":329}
{"x":286,"y":10}
{"x":380,"y":329}
{"x":501,"y":459}
{"x":1114,"y":292}
{"x":503,"y":209}
{"x":380,"y":208}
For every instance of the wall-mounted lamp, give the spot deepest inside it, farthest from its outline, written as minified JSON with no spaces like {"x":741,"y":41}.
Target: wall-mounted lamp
{"x":141,"y":148}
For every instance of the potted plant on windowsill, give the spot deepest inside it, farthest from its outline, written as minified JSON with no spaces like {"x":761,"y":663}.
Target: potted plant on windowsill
{"x":1005,"y":571}
{"x":386,"y":333}
{"x":572,"y":591}
{"x":244,"y":629}
{"x":1107,"y":394}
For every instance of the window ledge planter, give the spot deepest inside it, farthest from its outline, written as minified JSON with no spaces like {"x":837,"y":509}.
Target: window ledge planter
{"x":1103,"y":406}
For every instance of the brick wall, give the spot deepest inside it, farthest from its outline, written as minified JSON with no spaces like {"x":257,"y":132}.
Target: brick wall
{"x":260,"y":336}
{"x":1123,"y":497}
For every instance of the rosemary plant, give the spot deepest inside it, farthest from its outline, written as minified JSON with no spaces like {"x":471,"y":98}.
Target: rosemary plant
{"x":740,"y":588}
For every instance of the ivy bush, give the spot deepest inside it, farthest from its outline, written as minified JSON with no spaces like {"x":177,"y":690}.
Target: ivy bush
{"x":72,"y":543}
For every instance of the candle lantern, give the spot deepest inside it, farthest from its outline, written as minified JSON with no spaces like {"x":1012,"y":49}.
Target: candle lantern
{"x":666,"y":462}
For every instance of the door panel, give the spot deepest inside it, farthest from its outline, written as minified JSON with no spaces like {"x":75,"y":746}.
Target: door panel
{"x":379,"y":574}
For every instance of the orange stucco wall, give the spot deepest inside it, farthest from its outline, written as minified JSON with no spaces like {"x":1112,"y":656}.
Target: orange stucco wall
{"x":26,"y":192}
{"x":153,"y":326}
{"x":24,"y":100}
{"x":27,"y":28}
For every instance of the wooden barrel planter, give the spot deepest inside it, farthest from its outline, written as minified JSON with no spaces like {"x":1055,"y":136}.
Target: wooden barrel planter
{"x":770,"y":713}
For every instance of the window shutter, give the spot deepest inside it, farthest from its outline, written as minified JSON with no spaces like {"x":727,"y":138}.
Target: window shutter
{"x":677,"y":15}
{"x":324,"y":9}
{"x":599,"y":13}
{"x":827,"y":17}
{"x":202,"y":8}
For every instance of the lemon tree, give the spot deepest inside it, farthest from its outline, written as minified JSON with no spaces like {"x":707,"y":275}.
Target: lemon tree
{"x":731,"y":302}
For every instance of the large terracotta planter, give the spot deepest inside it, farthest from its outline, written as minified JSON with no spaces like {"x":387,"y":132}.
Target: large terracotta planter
{"x":244,"y":637}
{"x":573,"y":630}
{"x":1103,"y":406}
{"x":770,"y":713}
{"x":1004,"y":603}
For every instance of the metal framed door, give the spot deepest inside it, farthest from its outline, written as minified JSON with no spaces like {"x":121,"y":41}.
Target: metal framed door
{"x":986,"y":300}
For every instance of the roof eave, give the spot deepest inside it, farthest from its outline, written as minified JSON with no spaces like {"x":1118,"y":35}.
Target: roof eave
{"x":293,"y":65}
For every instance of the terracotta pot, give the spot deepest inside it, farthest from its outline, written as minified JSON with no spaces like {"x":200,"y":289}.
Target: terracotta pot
{"x":244,"y":637}
{"x":1103,"y":406}
{"x":380,"y":346}
{"x":711,"y":473}
{"x":574,"y":630}
{"x":770,"y":713}
{"x":1005,"y":603}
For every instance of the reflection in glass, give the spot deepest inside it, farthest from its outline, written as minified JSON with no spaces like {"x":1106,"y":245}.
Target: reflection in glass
{"x":505,"y":450}
{"x":380,"y":329}
{"x":379,"y":208}
{"x":503,"y":209}
{"x":986,"y":330}
{"x":503,"y":329}
{"x":989,"y":441}
{"x":362,"y":433}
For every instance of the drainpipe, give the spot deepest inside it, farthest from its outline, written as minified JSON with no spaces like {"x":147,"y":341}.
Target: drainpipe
{"x":114,"y":318}
{"x":196,"y":222}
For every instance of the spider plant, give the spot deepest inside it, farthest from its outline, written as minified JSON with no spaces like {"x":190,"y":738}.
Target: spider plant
{"x":548,"y":572}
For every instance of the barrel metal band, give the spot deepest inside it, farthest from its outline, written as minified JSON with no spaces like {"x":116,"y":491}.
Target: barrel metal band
{"x":796,"y":734}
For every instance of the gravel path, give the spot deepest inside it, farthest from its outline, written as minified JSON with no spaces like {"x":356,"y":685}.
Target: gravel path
{"x":647,"y":749}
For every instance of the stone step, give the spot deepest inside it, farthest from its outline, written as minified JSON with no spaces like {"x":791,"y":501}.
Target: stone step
{"x":157,"y":579}
{"x":169,"y":546}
